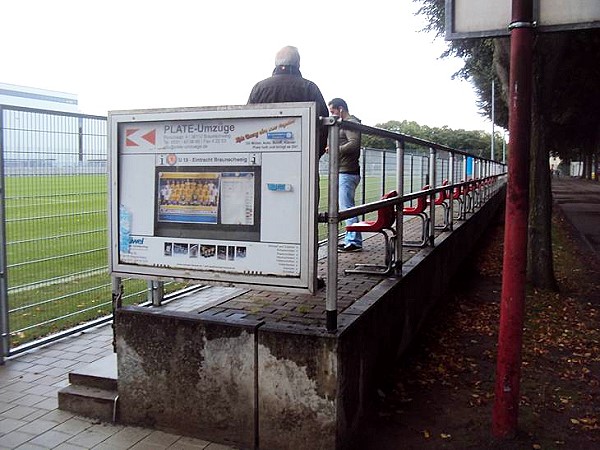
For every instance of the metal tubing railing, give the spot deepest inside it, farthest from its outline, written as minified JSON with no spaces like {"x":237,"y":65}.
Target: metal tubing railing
{"x":432,"y":169}
{"x":399,"y":214}
{"x":334,"y":216}
{"x":332,"y":225}
{"x":451,"y":191}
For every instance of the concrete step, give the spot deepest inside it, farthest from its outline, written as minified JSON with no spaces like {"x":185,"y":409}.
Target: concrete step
{"x":89,"y":402}
{"x":101,"y":374}
{"x":93,"y":390}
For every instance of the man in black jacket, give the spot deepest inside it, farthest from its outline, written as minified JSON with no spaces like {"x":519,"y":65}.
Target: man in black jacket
{"x":287,"y":85}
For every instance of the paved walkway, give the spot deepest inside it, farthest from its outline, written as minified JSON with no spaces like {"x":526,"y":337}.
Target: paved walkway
{"x":580,"y":201}
{"x":29,"y":414}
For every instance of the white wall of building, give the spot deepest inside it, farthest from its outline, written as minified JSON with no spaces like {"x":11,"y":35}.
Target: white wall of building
{"x":29,"y":97}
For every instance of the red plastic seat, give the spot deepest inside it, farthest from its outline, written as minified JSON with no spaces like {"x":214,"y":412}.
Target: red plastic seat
{"x":419,"y":210}
{"x":383,"y":224}
{"x":460,"y":195}
{"x":442,"y":199}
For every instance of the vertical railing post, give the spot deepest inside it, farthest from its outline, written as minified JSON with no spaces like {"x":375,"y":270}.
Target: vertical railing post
{"x":465,"y":188}
{"x":412,"y":170}
{"x":451,"y":196}
{"x":155,"y":292}
{"x":364,"y":177}
{"x":482,"y":183}
{"x":432,"y":180}
{"x":399,"y":206}
{"x":332,"y":227}
{"x":4,"y":322}
{"x":117,"y":303}
{"x":80,"y":140}
{"x":486,"y":175}
{"x":382,"y":175}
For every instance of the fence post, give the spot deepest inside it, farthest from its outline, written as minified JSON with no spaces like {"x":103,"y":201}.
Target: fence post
{"x":364,"y":178}
{"x":432,"y":178}
{"x":80,"y":140}
{"x":399,"y":206}
{"x":451,"y":195}
{"x":332,"y":231}
{"x":4,"y":324}
{"x":156,"y":290}
{"x":382,"y":175}
{"x":117,"y":298}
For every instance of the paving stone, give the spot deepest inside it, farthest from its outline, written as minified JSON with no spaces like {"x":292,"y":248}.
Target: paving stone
{"x":10,"y":396}
{"x":18,"y":412}
{"x":18,"y":386}
{"x":41,"y":389}
{"x":39,"y":412}
{"x":14,"y":439}
{"x":73,"y":426}
{"x":30,"y":400}
{"x":126,"y":438}
{"x":58,"y":416}
{"x":188,"y":443}
{"x":89,"y":438}
{"x":49,"y":403}
{"x":30,"y":446}
{"x":8,"y":424}
{"x":50,"y":439}
{"x":215,"y":446}
{"x":67,"y":446}
{"x":159,"y":438}
{"x":37,"y":427}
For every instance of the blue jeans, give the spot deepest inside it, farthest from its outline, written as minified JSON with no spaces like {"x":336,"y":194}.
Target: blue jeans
{"x":347,"y":189}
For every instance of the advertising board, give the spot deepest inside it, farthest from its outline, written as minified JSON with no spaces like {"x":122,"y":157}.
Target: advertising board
{"x":223,"y":194}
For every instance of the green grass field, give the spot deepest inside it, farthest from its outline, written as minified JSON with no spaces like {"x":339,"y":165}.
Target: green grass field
{"x":57,"y":254}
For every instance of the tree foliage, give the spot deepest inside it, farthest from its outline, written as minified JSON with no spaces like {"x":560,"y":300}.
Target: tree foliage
{"x":476,"y":142}
{"x":565,"y":111}
{"x":567,"y":78}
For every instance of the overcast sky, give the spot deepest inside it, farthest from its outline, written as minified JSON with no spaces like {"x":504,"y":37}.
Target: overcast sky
{"x":131,"y":54}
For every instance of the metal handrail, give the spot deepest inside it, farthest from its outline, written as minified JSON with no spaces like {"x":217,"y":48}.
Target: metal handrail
{"x":482,"y":169}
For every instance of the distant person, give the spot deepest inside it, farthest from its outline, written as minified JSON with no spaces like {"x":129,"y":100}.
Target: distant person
{"x":287,"y":85}
{"x":349,"y":171}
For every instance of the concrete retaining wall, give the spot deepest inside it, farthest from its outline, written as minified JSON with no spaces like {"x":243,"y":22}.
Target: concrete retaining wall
{"x":281,"y":386}
{"x":178,"y":373}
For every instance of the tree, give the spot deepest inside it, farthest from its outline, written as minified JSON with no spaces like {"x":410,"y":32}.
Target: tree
{"x":475,"y":142}
{"x":565,"y":111}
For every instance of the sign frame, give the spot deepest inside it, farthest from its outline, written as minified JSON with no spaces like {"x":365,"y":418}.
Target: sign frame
{"x":286,"y":262}
{"x":494,"y":17}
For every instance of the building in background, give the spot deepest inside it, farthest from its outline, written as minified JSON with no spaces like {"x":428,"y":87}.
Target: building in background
{"x":43,"y":133}
{"x":29,"y":97}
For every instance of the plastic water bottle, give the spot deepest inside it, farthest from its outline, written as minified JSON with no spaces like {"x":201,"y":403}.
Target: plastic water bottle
{"x":124,"y":229}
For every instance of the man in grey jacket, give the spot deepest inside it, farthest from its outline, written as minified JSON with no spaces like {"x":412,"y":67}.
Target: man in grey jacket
{"x":287,"y":85}
{"x":349,"y":171}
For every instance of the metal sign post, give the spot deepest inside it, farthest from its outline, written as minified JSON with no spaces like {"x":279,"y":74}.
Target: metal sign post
{"x":508,"y":370}
{"x":488,"y":18}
